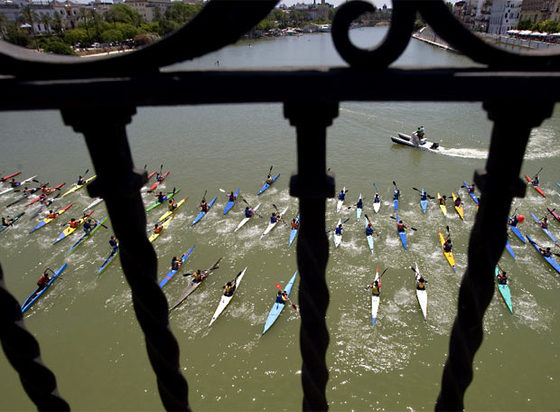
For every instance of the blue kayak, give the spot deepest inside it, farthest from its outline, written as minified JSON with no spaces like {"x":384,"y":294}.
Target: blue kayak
{"x":267,"y":185}
{"x":230,"y":203}
{"x":518,"y":233}
{"x":107,"y":262}
{"x":172,"y":272}
{"x":509,"y":249}
{"x":472,"y":195}
{"x":551,"y":261}
{"x":537,"y":220}
{"x":293,"y":233}
{"x":277,"y":308}
{"x":31,"y":299}
{"x":395,"y":205}
{"x":202,"y":214}
{"x":423,"y":203}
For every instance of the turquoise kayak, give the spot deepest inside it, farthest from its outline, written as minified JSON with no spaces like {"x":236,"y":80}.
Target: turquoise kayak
{"x":172,"y":272}
{"x":423,"y":203}
{"x":267,"y":185}
{"x":87,"y":235}
{"x":31,"y":299}
{"x":202,"y":214}
{"x":369,"y":238}
{"x":293,"y":233}
{"x":537,"y":220}
{"x":277,"y":308}
{"x":504,"y":291}
{"x":230,"y":203}
{"x":550,"y":260}
{"x":107,"y":262}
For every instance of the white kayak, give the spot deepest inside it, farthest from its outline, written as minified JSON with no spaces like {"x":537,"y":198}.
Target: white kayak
{"x":359,"y":209}
{"x":224,"y":301}
{"x":11,"y":189}
{"x":421,"y":295}
{"x":337,"y":238}
{"x":376,"y":205}
{"x":245,"y":220}
{"x":273,"y":225}
{"x":374,"y":302}
{"x":93,"y":204}
{"x":404,"y":139}
{"x":339,"y":202}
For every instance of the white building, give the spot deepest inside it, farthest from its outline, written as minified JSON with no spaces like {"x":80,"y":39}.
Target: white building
{"x":504,"y":16}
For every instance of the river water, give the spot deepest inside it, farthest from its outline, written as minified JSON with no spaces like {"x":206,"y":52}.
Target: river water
{"x":85,"y":323}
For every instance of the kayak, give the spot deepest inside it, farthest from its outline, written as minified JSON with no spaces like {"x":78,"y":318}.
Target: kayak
{"x":339,"y":202}
{"x":165,"y":198}
{"x":11,"y":189}
{"x":224,"y":300}
{"x":374,"y":301}
{"x":69,"y":230}
{"x":230,"y":203}
{"x":107,"y":262}
{"x":14,"y":220}
{"x":87,"y":235}
{"x":448,"y":255}
{"x":47,"y":220}
{"x":150,"y":175}
{"x":153,"y":235}
{"x":246,"y":219}
{"x":49,"y":191}
{"x":277,"y":308}
{"x":442,"y":206}
{"x":293,"y":233}
{"x":23,"y":197}
{"x":93,"y":204}
{"x":3,"y":179}
{"x":504,"y":291}
{"x":376,"y":205}
{"x":369,"y":238}
{"x":459,"y":209}
{"x":171,"y":212}
{"x":267,"y":185}
{"x":194,"y":285}
{"x":424,"y":202}
{"x":510,"y":249}
{"x":76,"y":187}
{"x":273,"y":225}
{"x":156,"y":184}
{"x":472,"y":195}
{"x":550,"y":260}
{"x":202,"y":214}
{"x":537,"y":187}
{"x":172,"y":272}
{"x":31,"y":299}
{"x":550,"y":235}
{"x":395,"y":205}
{"x":421,"y":294}
{"x":553,"y":213}
{"x":359,"y":209}
{"x":517,"y":233}
{"x":337,"y":238}
{"x":402,"y":235}
{"x":404,"y":139}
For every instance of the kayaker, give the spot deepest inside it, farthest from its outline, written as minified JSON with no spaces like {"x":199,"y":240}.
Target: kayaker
{"x":400,"y":226}
{"x":249,"y":212}
{"x":13,"y":183}
{"x":341,"y":195}
{"x":175,"y":263}
{"x":502,"y":278}
{"x":161,"y":197}
{"x":80,"y":181}
{"x":274,"y":218}
{"x":545,"y":252}
{"x":88,"y":225}
{"x":159,"y":177}
{"x":198,"y":276}
{"x":447,"y":245}
{"x":203,"y":206}
{"x":44,"y":280}
{"x":157,"y":227}
{"x":470,"y":188}
{"x":232,"y":197}
{"x":172,"y":205}
{"x":513,"y":221}
{"x":114,"y":244}
{"x":338,"y":230}
{"x":457,"y":201}
{"x":360,"y":204}
{"x":295,"y":224}
{"x":369,"y":230}
{"x":7,"y":221}
{"x":269,"y":179}
{"x":281,"y":297}
{"x":52,"y":214}
{"x":74,"y":223}
{"x":375,"y":287}
{"x":376,"y":198}
{"x":396,"y":194}
{"x":423,"y":196}
{"x":535,"y":181}
{"x":544,"y":223}
{"x":421,"y":283}
{"x":229,"y":288}
{"x":442,"y":199}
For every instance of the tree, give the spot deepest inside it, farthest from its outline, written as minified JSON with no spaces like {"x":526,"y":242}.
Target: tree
{"x":57,"y":25}
{"x":182,"y":13}
{"x":56,"y":46}
{"x":46,"y":19}
{"x":30,"y":17}
{"x":83,"y":15}
{"x":524,"y":24}
{"x":112,"y":36}
{"x":76,"y":36}
{"x":15,"y":36}
{"x":123,"y":14}
{"x":3,"y":22}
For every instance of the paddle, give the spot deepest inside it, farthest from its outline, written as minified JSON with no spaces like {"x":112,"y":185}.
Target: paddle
{"x":540,"y":170}
{"x":344,"y":221}
{"x":247,"y":203}
{"x":280,"y":219}
{"x":204,"y":195}
{"x":287,"y":298}
{"x":541,"y":248}
{"x":427,"y":195}
{"x":413,"y":228}
{"x":369,"y":221}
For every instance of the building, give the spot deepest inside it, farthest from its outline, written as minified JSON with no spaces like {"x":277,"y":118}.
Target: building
{"x":540,"y":10}
{"x":504,"y":16}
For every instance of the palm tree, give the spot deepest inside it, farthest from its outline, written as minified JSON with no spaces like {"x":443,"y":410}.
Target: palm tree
{"x":57,"y":24}
{"x":83,"y":14}
{"x":2,"y":24}
{"x":30,"y":17}
{"x":47,"y":21}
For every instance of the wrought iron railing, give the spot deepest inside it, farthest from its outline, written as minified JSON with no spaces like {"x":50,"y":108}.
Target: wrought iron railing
{"x":131,"y":80}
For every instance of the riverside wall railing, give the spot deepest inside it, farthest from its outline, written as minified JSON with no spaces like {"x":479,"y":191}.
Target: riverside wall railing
{"x":116,"y":86}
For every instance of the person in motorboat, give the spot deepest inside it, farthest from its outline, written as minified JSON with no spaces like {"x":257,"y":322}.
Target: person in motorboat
{"x":160,"y":197}
{"x":229,"y":288}
{"x":249,"y":212}
{"x":400,"y":226}
{"x":544,"y":223}
{"x":114,"y":244}
{"x":376,"y":198}
{"x":295,"y":224}
{"x":375,"y":287}
{"x":447,"y":245}
{"x":172,"y":205}
{"x":421,"y":283}
{"x":203,"y":206}
{"x":369,"y":230}
{"x":457,"y":201}
{"x":342,"y":195}
{"x":421,"y":132}
{"x":360,"y":203}
{"x":545,"y":252}
{"x":338,"y":230}
{"x":414,"y":138}
{"x":80,"y":181}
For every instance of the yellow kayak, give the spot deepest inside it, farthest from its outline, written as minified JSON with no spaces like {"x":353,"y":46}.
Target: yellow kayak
{"x":170,"y":212}
{"x":69,"y":230}
{"x":78,"y":187}
{"x":448,"y":255}
{"x":154,"y":236}
{"x":459,"y":209}
{"x":442,"y":206}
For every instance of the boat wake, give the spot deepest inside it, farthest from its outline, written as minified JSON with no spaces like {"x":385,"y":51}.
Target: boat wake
{"x":465,"y":153}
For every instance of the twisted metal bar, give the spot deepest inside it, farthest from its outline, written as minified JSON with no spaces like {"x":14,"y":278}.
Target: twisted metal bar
{"x":312,"y":186}
{"x":120,"y":185}
{"x":24,"y":354}
{"x":488,"y":238}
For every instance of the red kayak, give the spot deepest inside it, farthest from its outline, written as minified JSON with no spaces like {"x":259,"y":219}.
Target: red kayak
{"x":553,"y":213}
{"x":537,"y":188}
{"x":153,"y":187}
{"x":150,"y":175}
{"x":47,"y":191}
{"x":3,"y":179}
